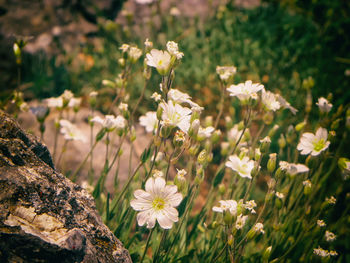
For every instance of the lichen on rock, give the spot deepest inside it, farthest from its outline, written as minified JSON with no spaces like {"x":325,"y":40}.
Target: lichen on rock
{"x":44,"y":217}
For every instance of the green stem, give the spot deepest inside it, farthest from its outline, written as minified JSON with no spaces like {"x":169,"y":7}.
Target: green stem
{"x":74,"y":175}
{"x":147,"y":244}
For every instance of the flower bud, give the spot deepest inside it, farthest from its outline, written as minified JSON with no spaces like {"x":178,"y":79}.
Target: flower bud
{"x":266,"y":254}
{"x":179,"y":138}
{"x":268,"y":117}
{"x":121,"y":62}
{"x":272,"y":132}
{"x":193,"y":149}
{"x":194,"y":128}
{"x":265,"y":144}
{"x":228,"y":217}
{"x":257,"y":154}
{"x":271,"y":164}
{"x":202,"y":157}
{"x":308,"y":103}
{"x":108,"y":83}
{"x":222,"y":189}
{"x":282,"y":142}
{"x":300,"y":126}
{"x":165,"y":131}
{"x":215,"y":138}
{"x":132,"y":134}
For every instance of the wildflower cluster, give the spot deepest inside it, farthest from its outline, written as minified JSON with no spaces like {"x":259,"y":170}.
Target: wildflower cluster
{"x":244,"y":184}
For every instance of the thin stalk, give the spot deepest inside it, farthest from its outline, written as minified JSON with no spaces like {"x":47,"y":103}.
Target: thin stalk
{"x":56,"y":137}
{"x":182,"y":220}
{"x":83,"y":162}
{"x":126,"y":186}
{"x":64,"y":148}
{"x":147,"y":243}
{"x":164,"y":234}
{"x":221,"y":104}
{"x":219,"y":255}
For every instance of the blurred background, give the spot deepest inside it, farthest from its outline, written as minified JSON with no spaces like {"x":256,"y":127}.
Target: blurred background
{"x":75,"y":44}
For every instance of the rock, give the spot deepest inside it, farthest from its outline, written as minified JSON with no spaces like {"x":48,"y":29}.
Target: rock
{"x":44,"y":217}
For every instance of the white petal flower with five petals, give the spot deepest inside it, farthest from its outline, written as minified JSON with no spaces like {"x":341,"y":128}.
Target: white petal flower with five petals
{"x":158,"y":202}
{"x":243,"y":167}
{"x":226,"y":205}
{"x":246,"y":90}
{"x":176,"y":115}
{"x":159,"y":59}
{"x":313,"y":143}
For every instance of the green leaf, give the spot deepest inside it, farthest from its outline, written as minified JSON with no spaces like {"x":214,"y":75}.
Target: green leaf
{"x":100,"y":134}
{"x":145,"y":155}
{"x":218,"y":177}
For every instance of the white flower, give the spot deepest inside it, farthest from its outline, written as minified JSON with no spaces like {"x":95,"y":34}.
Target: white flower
{"x":241,"y":220}
{"x":144,"y":2}
{"x":258,"y":227}
{"x":67,"y":95}
{"x":225,"y":72}
{"x":321,"y":252}
{"x":110,"y":122}
{"x":331,"y":200}
{"x":157,"y":173}
{"x":307,"y":183}
{"x":234,"y":134}
{"x":176,"y":115}
{"x":123,"y":107}
{"x":158,"y":202}
{"x":156,"y":96}
{"x":314,"y":144}
{"x":134,"y":54}
{"x":93,"y":94}
{"x":279,"y":195}
{"x":181,"y":173}
{"x":249,"y":205}
{"x":330,"y":236}
{"x":173,"y":49}
{"x":243,"y":167}
{"x":333,"y":253}
{"x":269,"y":100}
{"x":161,"y":60}
{"x":74,"y":102}
{"x":54,"y":102}
{"x":71,"y":132}
{"x":226,"y":205}
{"x":181,"y":97}
{"x":148,"y":44}
{"x":324,"y":105}
{"x":174,"y":11}
{"x":293,"y":168}
{"x":246,"y":90}
{"x":149,"y":121}
{"x":285,"y":104}
{"x":205,"y":132}
{"x":321,"y":223}
{"x":124,"y":48}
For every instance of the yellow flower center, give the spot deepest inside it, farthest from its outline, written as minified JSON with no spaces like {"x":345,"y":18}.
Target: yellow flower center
{"x":158,"y":203}
{"x":318,"y":145}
